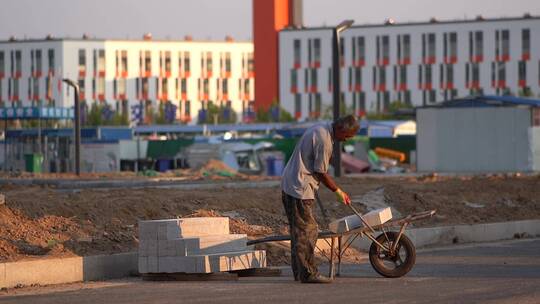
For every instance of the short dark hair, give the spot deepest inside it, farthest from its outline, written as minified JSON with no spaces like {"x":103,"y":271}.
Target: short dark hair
{"x":347,"y":123}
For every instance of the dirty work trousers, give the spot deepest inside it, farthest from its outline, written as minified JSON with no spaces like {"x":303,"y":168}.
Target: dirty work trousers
{"x":304,"y":232}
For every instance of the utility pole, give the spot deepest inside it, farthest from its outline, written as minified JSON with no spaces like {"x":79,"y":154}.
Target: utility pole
{"x":77,"y":125}
{"x":336,"y":85}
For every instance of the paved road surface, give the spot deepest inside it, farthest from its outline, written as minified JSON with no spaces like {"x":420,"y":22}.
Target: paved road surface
{"x":507,"y":272}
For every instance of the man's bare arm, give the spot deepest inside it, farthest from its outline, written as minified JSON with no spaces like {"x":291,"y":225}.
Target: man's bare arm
{"x":327,"y":180}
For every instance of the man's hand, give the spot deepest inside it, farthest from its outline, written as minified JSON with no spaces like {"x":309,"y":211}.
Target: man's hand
{"x":342,"y":197}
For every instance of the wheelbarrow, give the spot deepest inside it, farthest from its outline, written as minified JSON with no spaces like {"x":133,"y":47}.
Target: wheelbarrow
{"x":391,"y":254}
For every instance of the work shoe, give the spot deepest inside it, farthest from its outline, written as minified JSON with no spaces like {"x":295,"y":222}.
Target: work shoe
{"x":318,"y":279}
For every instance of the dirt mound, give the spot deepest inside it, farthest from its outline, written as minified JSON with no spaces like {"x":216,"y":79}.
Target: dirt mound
{"x":40,"y":222}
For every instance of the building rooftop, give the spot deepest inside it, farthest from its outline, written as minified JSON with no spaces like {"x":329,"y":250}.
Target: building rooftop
{"x":94,"y":39}
{"x":432,"y":21}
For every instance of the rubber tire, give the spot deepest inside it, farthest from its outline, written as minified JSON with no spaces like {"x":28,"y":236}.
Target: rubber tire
{"x":399,"y":271}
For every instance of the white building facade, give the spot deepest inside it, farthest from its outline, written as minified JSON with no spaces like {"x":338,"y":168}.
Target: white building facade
{"x":415,"y":63}
{"x":183,"y":77}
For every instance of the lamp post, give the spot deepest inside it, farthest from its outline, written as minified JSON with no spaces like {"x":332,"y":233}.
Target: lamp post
{"x":77,"y":126}
{"x":336,"y":85}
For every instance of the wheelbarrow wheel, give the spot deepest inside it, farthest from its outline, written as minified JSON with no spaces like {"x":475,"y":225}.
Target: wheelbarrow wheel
{"x":392,"y":264}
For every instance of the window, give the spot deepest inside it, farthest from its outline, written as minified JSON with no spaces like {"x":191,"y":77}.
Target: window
{"x":297,"y":52}
{"x":38,"y":63}
{"x":167,"y":63}
{"x":479,"y":44}
{"x":526,"y":41}
{"x":298,"y":105}
{"x":403,"y":75}
{"x":50,"y":54}
{"x":183,"y":85}
{"x":386,"y":47}
{"x":314,"y":77}
{"x":187,"y":108}
{"x":502,"y":72}
{"x":228,"y":62}
{"x":209,"y":65}
{"x":406,"y":47}
{"x":449,"y":74}
{"x":101,"y":60}
{"x":101,"y":88}
{"x":361,"y":49}
{"x":294,"y":80}
{"x":505,"y":44}
{"x":309,"y":51}
{"x":317,"y":48}
{"x":250,"y":63}
{"x":431,"y":45}
{"x":318,"y":105}
{"x":186,"y":62}
{"x":124,"y":62}
{"x":82,"y":89}
{"x":419,"y":75}
{"x":476,"y":73}
{"x":453,"y":45}
{"x":2,"y":65}
{"x":225,"y":85}
{"x":147,"y":62}
{"x":82,"y":61}
{"x":358,"y":78}
{"x":522,"y":73}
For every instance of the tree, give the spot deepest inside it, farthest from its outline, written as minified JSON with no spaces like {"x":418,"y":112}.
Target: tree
{"x":218,"y":114}
{"x":269,"y":115}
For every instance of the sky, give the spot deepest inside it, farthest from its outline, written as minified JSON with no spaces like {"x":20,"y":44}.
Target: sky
{"x":215,"y":19}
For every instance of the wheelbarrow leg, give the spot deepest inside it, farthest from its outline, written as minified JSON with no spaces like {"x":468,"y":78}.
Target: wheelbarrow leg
{"x":331,"y":268}
{"x":340,"y":254}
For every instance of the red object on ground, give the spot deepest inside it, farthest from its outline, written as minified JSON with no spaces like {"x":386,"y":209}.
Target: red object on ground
{"x":352,"y":164}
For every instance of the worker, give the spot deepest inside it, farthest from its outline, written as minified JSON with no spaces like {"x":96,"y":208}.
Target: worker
{"x":307,"y":167}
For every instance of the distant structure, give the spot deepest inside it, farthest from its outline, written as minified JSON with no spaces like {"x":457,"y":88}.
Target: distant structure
{"x":182,"y":77}
{"x":269,"y":17}
{"x":416,"y":63}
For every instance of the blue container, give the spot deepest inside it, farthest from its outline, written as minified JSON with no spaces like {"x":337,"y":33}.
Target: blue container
{"x":274,"y":166}
{"x":163,"y":165}
{"x":279,"y":165}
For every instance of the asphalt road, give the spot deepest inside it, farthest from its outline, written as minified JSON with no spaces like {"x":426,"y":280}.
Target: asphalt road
{"x":506,"y":272}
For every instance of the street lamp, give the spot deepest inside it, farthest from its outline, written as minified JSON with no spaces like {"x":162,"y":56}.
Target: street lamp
{"x":336,"y":71}
{"x":77,"y":126}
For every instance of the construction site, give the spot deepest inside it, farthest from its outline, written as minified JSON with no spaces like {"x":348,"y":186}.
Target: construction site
{"x":156,"y":170}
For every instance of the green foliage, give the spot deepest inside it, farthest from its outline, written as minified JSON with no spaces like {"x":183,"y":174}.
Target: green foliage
{"x":263,"y":115}
{"x":216,"y":114}
{"x":95,"y":117}
{"x":159,"y":115}
{"x":526,"y":92}
{"x":391,"y":113}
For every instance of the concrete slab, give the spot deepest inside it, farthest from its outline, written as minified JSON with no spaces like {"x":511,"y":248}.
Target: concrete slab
{"x":45,"y":271}
{"x":99,"y":267}
{"x":211,"y":244}
{"x":148,"y":247}
{"x":348,"y":223}
{"x":208,"y":263}
{"x":170,"y":229}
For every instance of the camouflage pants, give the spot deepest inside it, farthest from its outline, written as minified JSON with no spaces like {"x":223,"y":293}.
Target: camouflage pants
{"x":304,"y":232}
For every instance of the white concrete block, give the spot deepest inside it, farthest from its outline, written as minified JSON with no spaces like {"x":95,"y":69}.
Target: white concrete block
{"x":171,"y":229}
{"x":351,"y":222}
{"x":202,"y":226}
{"x":179,"y":264}
{"x":211,"y":244}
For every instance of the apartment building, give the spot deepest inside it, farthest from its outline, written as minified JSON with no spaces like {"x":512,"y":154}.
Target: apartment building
{"x":130,"y":76}
{"x":416,"y":63}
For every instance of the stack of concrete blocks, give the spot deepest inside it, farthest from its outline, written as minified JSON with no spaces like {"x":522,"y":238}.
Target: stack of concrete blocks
{"x":194,"y":245}
{"x":351,"y":222}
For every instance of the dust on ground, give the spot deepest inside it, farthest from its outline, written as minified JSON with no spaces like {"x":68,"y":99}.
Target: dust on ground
{"x":41,"y":221}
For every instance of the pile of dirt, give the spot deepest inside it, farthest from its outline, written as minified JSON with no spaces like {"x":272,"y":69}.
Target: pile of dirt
{"x":38,"y":221}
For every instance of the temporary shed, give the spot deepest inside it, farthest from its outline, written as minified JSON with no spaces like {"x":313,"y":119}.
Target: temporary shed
{"x":480,"y":134}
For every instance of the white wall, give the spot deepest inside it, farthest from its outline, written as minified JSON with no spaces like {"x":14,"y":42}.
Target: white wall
{"x":100,"y":157}
{"x":494,"y":139}
{"x":534,"y":137}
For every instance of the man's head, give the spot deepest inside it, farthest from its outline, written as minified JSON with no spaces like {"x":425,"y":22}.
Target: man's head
{"x":345,"y":127}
